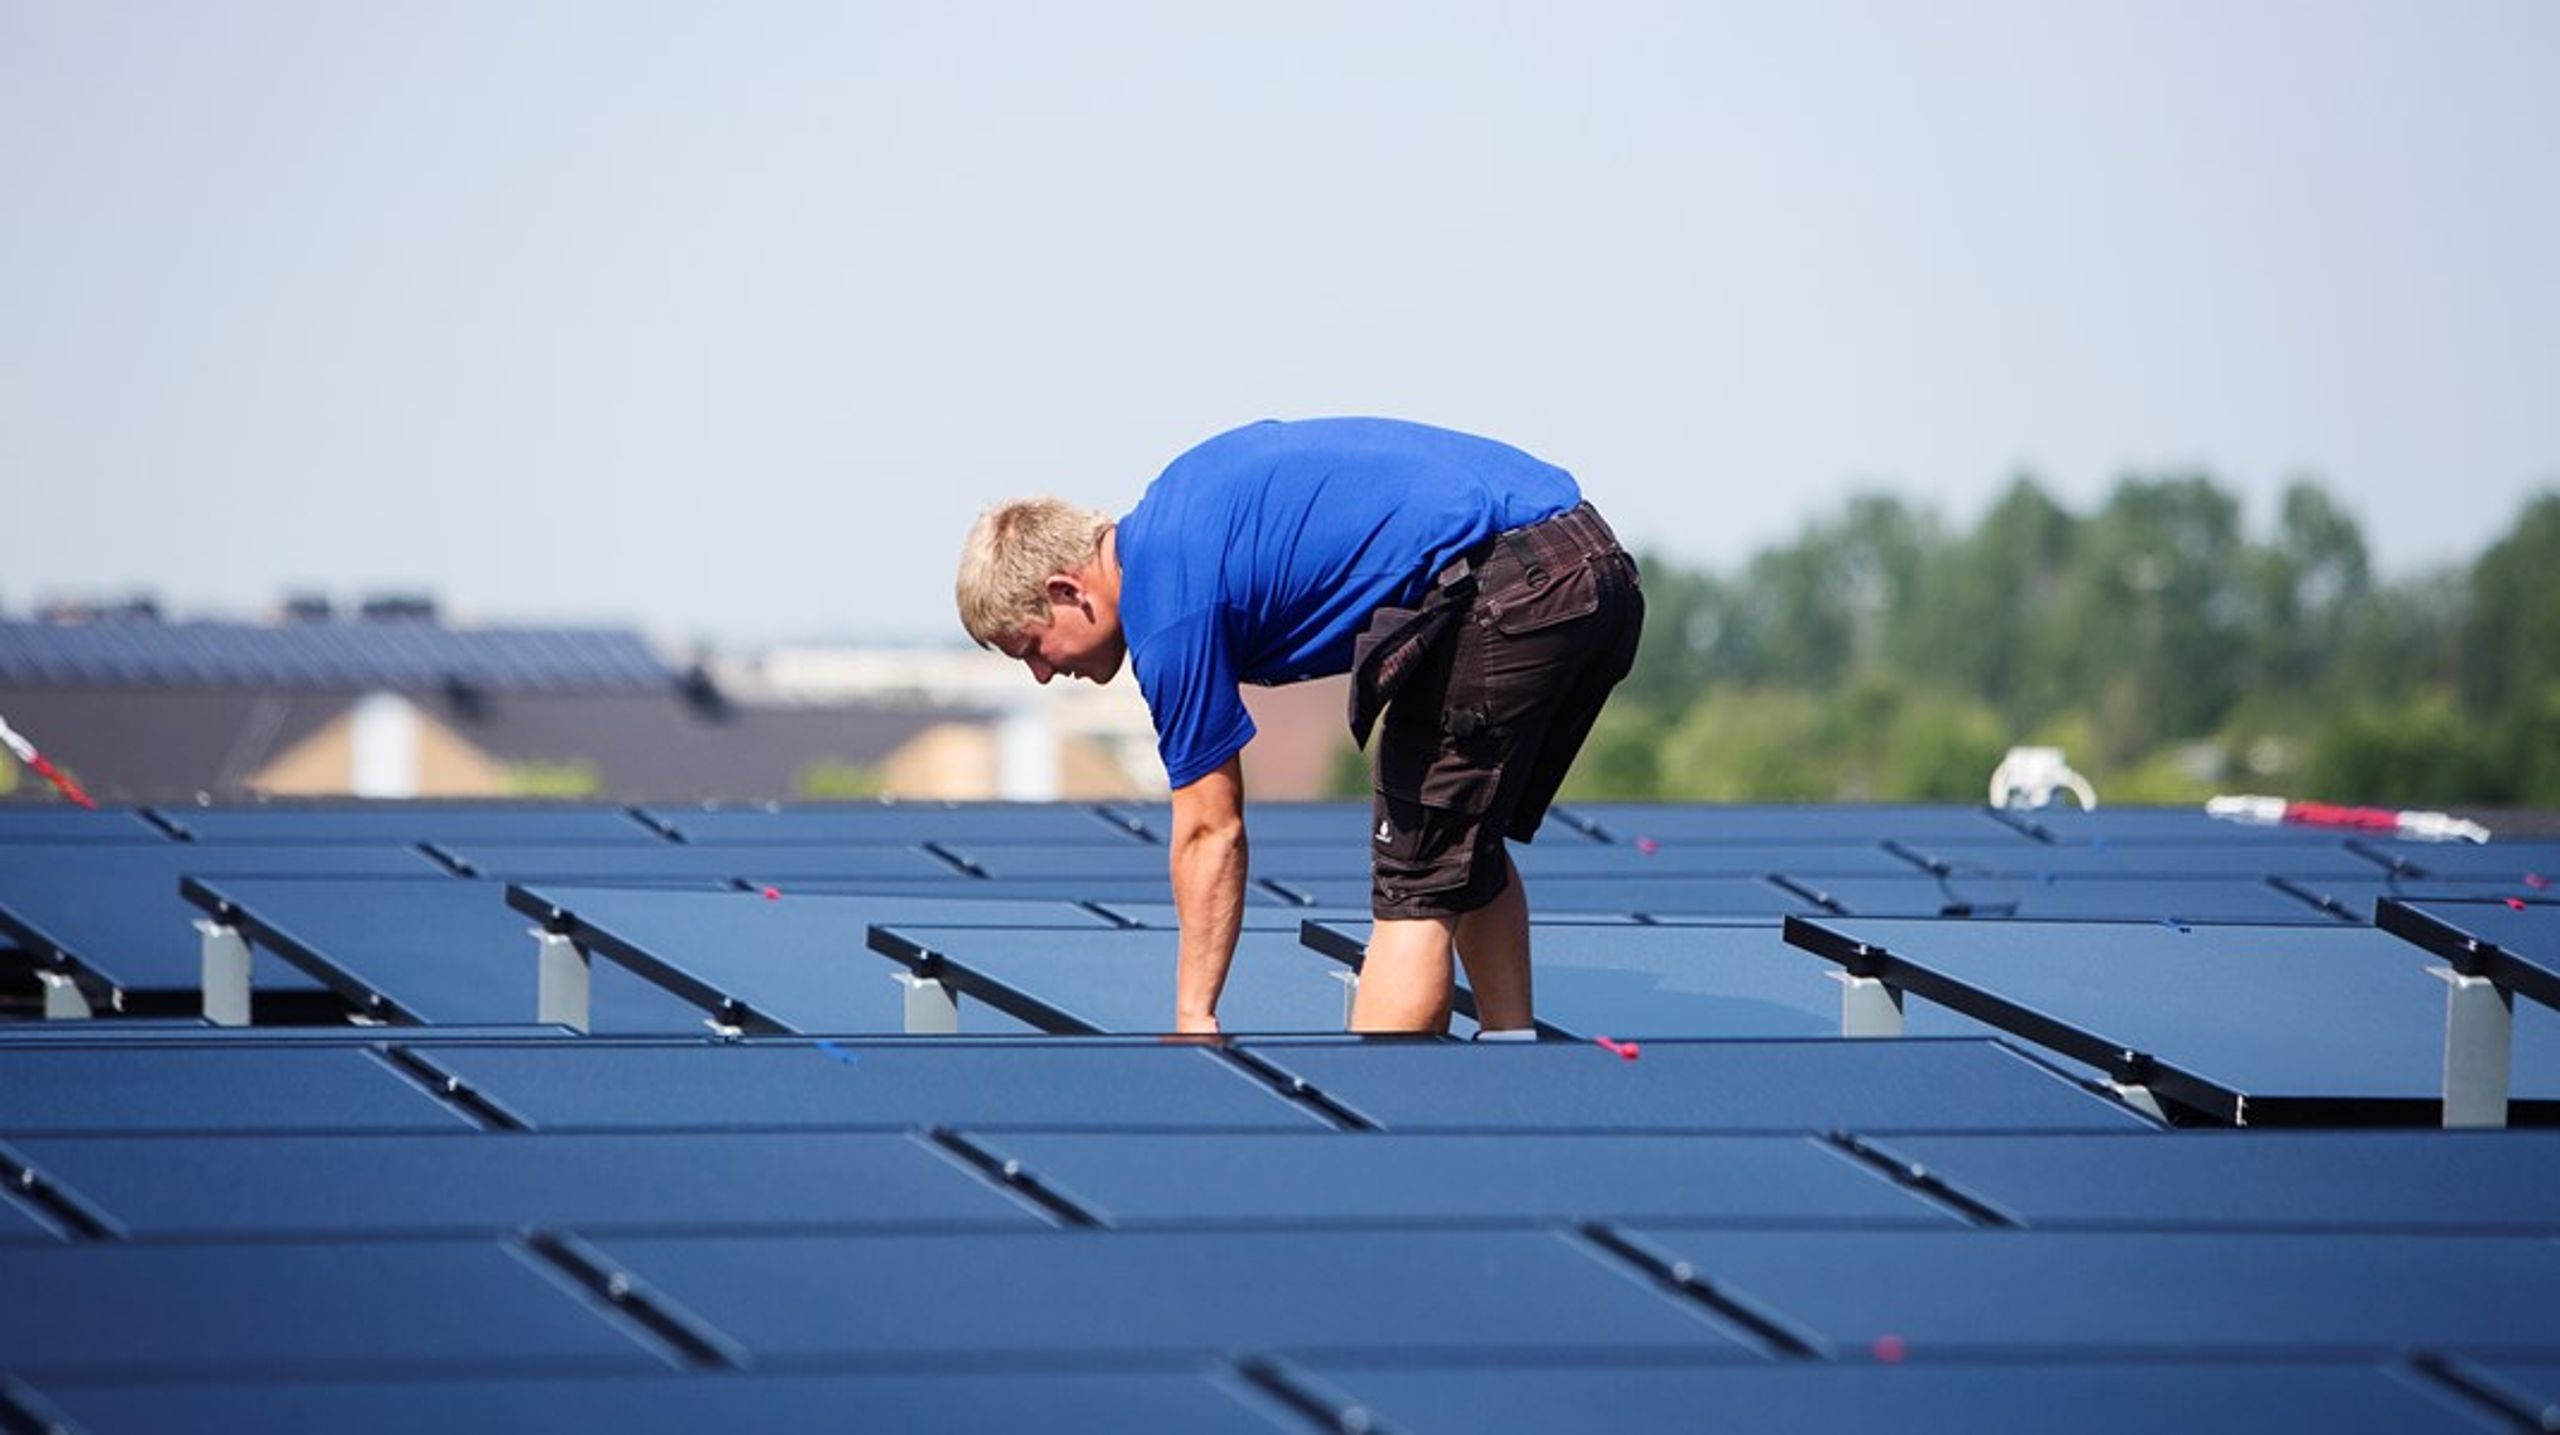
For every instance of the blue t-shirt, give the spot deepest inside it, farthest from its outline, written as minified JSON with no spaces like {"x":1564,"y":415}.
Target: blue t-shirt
{"x":1258,"y":556}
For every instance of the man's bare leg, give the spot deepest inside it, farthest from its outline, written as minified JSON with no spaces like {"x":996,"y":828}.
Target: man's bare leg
{"x":1406,"y":978}
{"x":1493,"y":940}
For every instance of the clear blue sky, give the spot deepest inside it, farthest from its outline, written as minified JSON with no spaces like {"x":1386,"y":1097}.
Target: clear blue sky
{"x":726,"y":319}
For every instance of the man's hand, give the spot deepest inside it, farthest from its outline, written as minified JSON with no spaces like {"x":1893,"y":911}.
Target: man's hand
{"x":1200,"y":1024}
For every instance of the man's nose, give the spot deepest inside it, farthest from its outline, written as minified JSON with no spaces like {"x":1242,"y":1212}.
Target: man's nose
{"x":1041,"y":671}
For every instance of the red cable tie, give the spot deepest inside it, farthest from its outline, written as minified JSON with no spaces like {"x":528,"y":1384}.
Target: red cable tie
{"x":2537,"y":881}
{"x":1890,"y":1349}
{"x":1626,"y":1049}
{"x":1647,"y":846}
{"x":2516,"y":902}
{"x":773,"y":894}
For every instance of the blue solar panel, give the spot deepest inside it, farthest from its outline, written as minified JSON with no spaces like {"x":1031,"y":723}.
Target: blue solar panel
{"x":854,"y":1085}
{"x":647,"y":1403}
{"x":1737,"y":981}
{"x":2515,"y":942}
{"x":1127,"y":1294}
{"x":2457,"y":1181}
{"x":2245,"y":900}
{"x":414,"y":822}
{"x":667,"y":862}
{"x":2354,"y":899}
{"x":263,"y":1088}
{"x":1939,"y":1295}
{"x":179,"y":1031}
{"x":2202,"y":1397}
{"x":2247,"y":1024}
{"x":2312,"y":857}
{"x":438,"y":952}
{"x":1731,"y":1086}
{"x":2535,"y":864}
{"x":796,"y":962}
{"x":1119,"y":980}
{"x":236,"y":1310}
{"x":1456,"y":1180}
{"x":382,"y":1186}
{"x":898,"y":822}
{"x":1553,"y":896}
{"x":1675,"y":823}
{"x":1344,"y":824}
{"x":2110,"y":825}
{"x":115,"y":910}
{"x":1161,"y":915}
{"x":61,"y":822}
{"x":1103,"y":890}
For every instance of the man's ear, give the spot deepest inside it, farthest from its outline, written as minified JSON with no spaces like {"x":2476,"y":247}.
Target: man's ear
{"x":1065,"y":590}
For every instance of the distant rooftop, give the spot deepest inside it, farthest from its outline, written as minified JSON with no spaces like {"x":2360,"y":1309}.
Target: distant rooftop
{"x":370,"y":653}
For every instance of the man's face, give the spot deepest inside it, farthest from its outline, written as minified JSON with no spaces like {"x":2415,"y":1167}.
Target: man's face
{"x":1080,"y":640}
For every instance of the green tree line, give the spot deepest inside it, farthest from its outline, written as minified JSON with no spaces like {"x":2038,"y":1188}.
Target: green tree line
{"x":1887,"y":655}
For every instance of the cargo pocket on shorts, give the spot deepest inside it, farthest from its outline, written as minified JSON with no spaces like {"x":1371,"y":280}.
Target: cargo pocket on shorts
{"x":1561,"y":598}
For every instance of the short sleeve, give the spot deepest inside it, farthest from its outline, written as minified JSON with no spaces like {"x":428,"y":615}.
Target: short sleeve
{"x":1187,"y":672}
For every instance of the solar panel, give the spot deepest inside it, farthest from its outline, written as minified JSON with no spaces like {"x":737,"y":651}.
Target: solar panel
{"x":227,"y":1311}
{"x":650,"y":1402}
{"x":413,"y":822}
{"x":114,"y":909}
{"x":2242,"y":900}
{"x":444,"y":953}
{"x":1127,"y":1294}
{"x":795,"y":962}
{"x":1940,"y":1295}
{"x":61,"y":822}
{"x":386,"y":1186}
{"x":2199,"y":1397}
{"x":2268,"y":1180}
{"x":1344,"y":824}
{"x":1118,"y":980}
{"x":1554,"y":896}
{"x":1674,"y":822}
{"x":2534,"y":864}
{"x":1729,"y":1086}
{"x":737,"y":862}
{"x":2514,"y":942}
{"x":1698,"y":981}
{"x":2312,"y":857}
{"x":2248,"y":1024}
{"x":1080,"y":890}
{"x":897,"y":822}
{"x":262,"y":1088}
{"x":2110,"y":825}
{"x":2354,"y":899}
{"x":1459,"y":1180}
{"x":855,"y":1085}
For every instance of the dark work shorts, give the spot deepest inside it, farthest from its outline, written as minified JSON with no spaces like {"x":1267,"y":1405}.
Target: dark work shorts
{"x":1472,"y":749}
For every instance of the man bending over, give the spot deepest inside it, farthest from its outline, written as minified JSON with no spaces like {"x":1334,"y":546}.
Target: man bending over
{"x":1476,"y":600}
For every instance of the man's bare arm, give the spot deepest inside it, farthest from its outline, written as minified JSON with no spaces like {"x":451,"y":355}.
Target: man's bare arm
{"x":1208,"y":865}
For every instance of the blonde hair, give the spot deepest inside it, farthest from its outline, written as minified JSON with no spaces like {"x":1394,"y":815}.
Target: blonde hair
{"x":1006,"y":561}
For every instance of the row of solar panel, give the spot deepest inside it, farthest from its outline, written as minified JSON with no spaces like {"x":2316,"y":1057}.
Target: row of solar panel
{"x":1537,"y":1391}
{"x":1650,"y":828}
{"x":563,"y":1303}
{"x":111,"y":915}
{"x":350,"y":656}
{"x":2317,"y":1023}
{"x":457,"y":1185}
